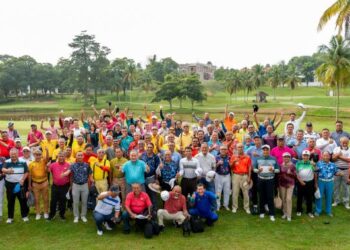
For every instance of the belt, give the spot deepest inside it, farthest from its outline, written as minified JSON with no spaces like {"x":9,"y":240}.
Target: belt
{"x":325,"y":180}
{"x":39,"y":182}
{"x":79,"y":183}
{"x":266,"y":178}
{"x":241,"y":173}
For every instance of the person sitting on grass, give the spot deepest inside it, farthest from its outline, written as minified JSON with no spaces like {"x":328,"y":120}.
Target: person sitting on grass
{"x":175,"y":208}
{"x":138,"y":207}
{"x":103,"y":213}
{"x":202,"y":201}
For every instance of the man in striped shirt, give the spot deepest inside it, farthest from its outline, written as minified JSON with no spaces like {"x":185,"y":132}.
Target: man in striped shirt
{"x":103,"y":213}
{"x":190,"y":171}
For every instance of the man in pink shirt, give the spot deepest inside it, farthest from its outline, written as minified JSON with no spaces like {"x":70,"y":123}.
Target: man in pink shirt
{"x":34,"y":136}
{"x":138,"y":207}
{"x":278,"y":151}
{"x":5,"y":145}
{"x":60,"y":186}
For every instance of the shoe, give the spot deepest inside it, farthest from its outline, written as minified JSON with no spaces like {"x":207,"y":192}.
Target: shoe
{"x":262,"y":216}
{"x":335,"y":204}
{"x":107,"y":226}
{"x":126,"y":231}
{"x":311,"y":215}
{"x":76,"y":219}
{"x":9,"y":221}
{"x":284,"y":217}
{"x":25,"y":219}
{"x":99,"y":233}
{"x":227,"y":208}
{"x":255,"y":210}
{"x":272,"y":218}
{"x":347,"y":206}
{"x":330,"y":215}
{"x":266,"y":208}
{"x":38,"y":217}
{"x":161,"y":228}
{"x":298,"y":213}
{"x":289,"y":219}
{"x":63,"y":218}
{"x":234,"y":210}
{"x":46,"y":216}
{"x":247,"y":211}
{"x":218,"y":209}
{"x":316,"y":214}
{"x":83,"y":218}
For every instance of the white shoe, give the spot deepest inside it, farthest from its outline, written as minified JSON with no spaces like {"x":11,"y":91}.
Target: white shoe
{"x":234,"y":210}
{"x":289,"y":219}
{"x":272,"y":218}
{"x":284,"y":217}
{"x":247,"y":211}
{"x":38,"y":217}
{"x":347,"y":206}
{"x":262,"y":216}
{"x":76,"y":219}
{"x":335,"y":204}
{"x":25,"y":219}
{"x":227,"y":209}
{"x":9,"y":221}
{"x":311,"y":215}
{"x":99,"y":233}
{"x":46,"y":216}
{"x":83,"y":218}
{"x":298,"y":214}
{"x":107,"y":226}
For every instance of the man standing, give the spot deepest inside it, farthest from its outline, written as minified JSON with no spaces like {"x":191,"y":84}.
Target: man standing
{"x":5,"y":145}
{"x":174,"y":208}
{"x":207,"y":163}
{"x":81,"y":174}
{"x":339,"y":132}
{"x":190,"y":170}
{"x":60,"y":186}
{"x":266,"y":167}
{"x":100,"y":169}
{"x":295,"y":122}
{"x":325,"y":143}
{"x":116,"y":174}
{"x":34,"y":136}
{"x":222,"y":177}
{"x":309,"y":133}
{"x":12,"y":132}
{"x":16,"y":174}
{"x":241,"y":169}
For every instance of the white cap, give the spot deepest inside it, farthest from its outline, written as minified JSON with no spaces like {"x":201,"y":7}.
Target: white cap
{"x":209,"y":177}
{"x":165,"y":195}
{"x":306,"y":152}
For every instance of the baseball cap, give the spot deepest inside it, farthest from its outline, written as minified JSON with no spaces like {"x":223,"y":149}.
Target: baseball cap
{"x":154,"y":117}
{"x":10,"y":124}
{"x":114,"y":189}
{"x":26,"y":148}
{"x":48,"y":132}
{"x":231,"y":113}
{"x":265,"y":146}
{"x":33,"y":125}
{"x":286,"y":154}
{"x":280,"y":137}
{"x":308,"y":124}
{"x":109,"y":137}
{"x":306,"y":152}
{"x":18,"y":139}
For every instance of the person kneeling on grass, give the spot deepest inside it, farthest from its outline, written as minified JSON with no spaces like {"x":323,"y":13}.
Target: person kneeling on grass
{"x":103,"y":213}
{"x":202,"y":202}
{"x":138,"y":207}
{"x":325,"y":172}
{"x":174,"y":208}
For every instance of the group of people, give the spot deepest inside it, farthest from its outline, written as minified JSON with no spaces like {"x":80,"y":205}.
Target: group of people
{"x":130,"y":162}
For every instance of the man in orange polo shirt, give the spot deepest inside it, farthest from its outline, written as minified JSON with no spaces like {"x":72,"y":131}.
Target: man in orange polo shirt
{"x":241,"y":168}
{"x":229,"y":119}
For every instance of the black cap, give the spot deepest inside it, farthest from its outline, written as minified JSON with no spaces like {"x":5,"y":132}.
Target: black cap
{"x":308,"y":124}
{"x":114,"y":189}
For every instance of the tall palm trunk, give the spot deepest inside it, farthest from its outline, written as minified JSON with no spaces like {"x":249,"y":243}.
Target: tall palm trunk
{"x":347,"y":26}
{"x":337,"y":105}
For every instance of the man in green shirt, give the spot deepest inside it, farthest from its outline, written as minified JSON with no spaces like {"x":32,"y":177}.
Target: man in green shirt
{"x":116,"y":175}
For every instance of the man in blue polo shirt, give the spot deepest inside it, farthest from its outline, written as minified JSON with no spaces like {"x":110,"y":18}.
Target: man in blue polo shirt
{"x":16,"y":172}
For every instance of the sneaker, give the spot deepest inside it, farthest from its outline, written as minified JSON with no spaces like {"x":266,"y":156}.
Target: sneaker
{"x":227,"y":208}
{"x":335,"y":204}
{"x":255,"y":209}
{"x":289,"y":219}
{"x":347,"y":206}
{"x":330,"y":215}
{"x":37,"y":217}
{"x":234,"y":210}
{"x":107,"y":226}
{"x":99,"y":233}
{"x":161,"y":228}
{"x":284,"y":217}
{"x":266,"y":208}
{"x":272,"y":218}
{"x":25,"y":219}
{"x":46,"y":216}
{"x":310,"y":215}
{"x":76,"y":219}
{"x":83,"y":218}
{"x":247,"y":211}
{"x":262,"y":216}
{"x":9,"y":221}
{"x":316,"y":214}
{"x":298,"y":213}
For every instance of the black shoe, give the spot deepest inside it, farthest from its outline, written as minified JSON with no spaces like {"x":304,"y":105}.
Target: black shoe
{"x":161,"y":229}
{"x":51,"y":218}
{"x":255,"y":210}
{"x":210,"y":223}
{"x":126,"y":231}
{"x":63,"y":217}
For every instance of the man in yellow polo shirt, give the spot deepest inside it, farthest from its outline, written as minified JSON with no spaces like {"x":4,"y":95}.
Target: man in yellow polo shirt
{"x":48,"y":143}
{"x":79,"y":146}
{"x":69,"y":156}
{"x":116,"y":174}
{"x":157,"y":140}
{"x":185,"y":138}
{"x":38,"y":182}
{"x":61,"y":147}
{"x":100,"y":170}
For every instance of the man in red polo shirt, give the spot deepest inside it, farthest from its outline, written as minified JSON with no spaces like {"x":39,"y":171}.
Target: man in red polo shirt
{"x":5,"y":145}
{"x":240,"y":165}
{"x":138,"y":207}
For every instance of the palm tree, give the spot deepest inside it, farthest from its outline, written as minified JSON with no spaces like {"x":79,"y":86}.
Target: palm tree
{"x":293,"y":79}
{"x":233,"y":83}
{"x":274,"y":78}
{"x":341,"y":9}
{"x":335,"y":71}
{"x":258,"y":77}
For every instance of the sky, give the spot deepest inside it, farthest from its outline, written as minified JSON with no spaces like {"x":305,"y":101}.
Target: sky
{"x":229,"y":33}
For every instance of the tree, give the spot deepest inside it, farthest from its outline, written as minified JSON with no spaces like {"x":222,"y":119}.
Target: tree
{"x":169,"y":90}
{"x":194,"y":89}
{"x":335,"y":71}
{"x":293,"y":79}
{"x":341,"y":9}
{"x":246,"y":82}
{"x":274,"y":78}
{"x":232,"y":83}
{"x":258,"y":75}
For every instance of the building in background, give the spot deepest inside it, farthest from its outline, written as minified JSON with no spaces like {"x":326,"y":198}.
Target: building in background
{"x":205,"y":71}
